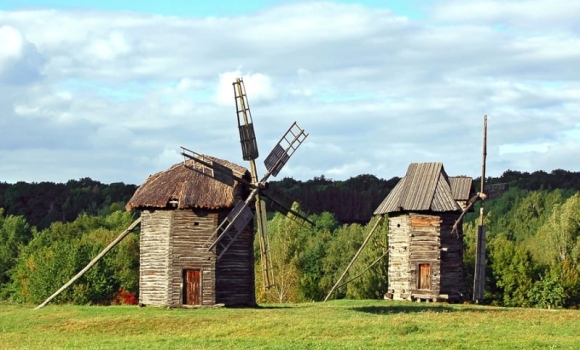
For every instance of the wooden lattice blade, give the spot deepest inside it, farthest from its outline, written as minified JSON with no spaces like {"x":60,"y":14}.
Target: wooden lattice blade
{"x":236,"y":221}
{"x":284,"y":149}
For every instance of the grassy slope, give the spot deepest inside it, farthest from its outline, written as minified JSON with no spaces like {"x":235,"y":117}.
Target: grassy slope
{"x":343,"y":324}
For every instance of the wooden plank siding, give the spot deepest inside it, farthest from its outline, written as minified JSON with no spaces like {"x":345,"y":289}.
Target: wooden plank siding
{"x":417,"y":239}
{"x":424,"y":249}
{"x":176,"y":240}
{"x":154,"y":257}
{"x":190,"y":233}
{"x":235,"y":285}
{"x":451,"y":258}
{"x":398,"y":271}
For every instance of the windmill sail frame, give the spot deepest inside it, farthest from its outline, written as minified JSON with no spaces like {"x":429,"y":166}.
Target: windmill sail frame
{"x":239,"y":217}
{"x":248,"y":139}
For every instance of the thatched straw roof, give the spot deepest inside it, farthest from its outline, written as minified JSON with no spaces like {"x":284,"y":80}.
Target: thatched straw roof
{"x":187,"y":188}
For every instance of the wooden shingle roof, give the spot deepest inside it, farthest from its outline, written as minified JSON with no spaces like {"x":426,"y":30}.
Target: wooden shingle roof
{"x":461,"y":187}
{"x":425,"y":187}
{"x":188,"y":188}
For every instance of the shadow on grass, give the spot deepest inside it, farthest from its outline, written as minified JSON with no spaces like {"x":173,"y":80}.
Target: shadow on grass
{"x":273,"y":306}
{"x":414,"y":308}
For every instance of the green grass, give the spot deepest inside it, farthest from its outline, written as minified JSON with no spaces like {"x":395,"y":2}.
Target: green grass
{"x":343,"y":324}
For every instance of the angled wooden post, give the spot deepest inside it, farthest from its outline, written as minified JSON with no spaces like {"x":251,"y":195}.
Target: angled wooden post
{"x":355,"y":257}
{"x":93,"y":262}
{"x":479,"y":273}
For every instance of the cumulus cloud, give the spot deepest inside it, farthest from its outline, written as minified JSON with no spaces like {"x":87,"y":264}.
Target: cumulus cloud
{"x":259,"y":84}
{"x":529,"y":15}
{"x":374,"y":90}
{"x":20,"y":61}
{"x":108,"y":48}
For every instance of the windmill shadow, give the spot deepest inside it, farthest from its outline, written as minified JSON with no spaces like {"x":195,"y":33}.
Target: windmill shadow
{"x":402,"y":309}
{"x":409,"y":308}
{"x":274,"y":307}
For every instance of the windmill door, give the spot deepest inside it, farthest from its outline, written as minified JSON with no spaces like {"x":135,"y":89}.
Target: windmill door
{"x":424,"y":276}
{"x":192,"y":287}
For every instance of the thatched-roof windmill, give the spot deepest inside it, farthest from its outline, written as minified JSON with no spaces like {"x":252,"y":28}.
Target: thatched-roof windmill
{"x":229,"y":229}
{"x":196,"y":226}
{"x":180,"y":210}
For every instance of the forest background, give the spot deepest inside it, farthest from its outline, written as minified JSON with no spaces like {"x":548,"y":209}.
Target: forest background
{"x":50,"y":231}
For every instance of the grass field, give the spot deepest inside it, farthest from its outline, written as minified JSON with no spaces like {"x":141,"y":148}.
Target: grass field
{"x":342,"y":324}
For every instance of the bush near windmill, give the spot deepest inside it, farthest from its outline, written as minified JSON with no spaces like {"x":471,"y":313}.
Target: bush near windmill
{"x":55,"y":254}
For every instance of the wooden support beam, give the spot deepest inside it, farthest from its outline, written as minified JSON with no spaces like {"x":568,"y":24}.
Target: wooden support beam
{"x":355,"y":257}
{"x":479,"y":273}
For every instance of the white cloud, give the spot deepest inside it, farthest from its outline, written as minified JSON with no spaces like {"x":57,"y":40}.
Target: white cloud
{"x":52,"y":106}
{"x":12,"y":44}
{"x":529,"y":15}
{"x":188,"y":83}
{"x":20,"y":62}
{"x":109,"y":48}
{"x":375,"y":91}
{"x":524,"y":148}
{"x":258,"y":88}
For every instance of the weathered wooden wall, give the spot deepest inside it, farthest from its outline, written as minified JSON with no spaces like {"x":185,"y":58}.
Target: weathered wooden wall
{"x":190,"y":233}
{"x":398,"y":271}
{"x":235,"y":272}
{"x":174,"y":240}
{"x":154,"y":257}
{"x":424,"y":249}
{"x":424,"y":238}
{"x":451,"y":258}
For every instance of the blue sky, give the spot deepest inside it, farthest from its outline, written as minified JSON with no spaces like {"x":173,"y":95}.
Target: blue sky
{"x":112,"y":94}
{"x":411,"y":8}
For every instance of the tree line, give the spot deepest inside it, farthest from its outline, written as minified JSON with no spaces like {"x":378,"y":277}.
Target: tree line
{"x":533,"y":250}
{"x":42,"y":203}
{"x":351,"y":201}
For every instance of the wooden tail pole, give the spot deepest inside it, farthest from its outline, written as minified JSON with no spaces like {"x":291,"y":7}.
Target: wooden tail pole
{"x":479,"y":274}
{"x":354,"y":258}
{"x":365,"y":270}
{"x":93,"y":262}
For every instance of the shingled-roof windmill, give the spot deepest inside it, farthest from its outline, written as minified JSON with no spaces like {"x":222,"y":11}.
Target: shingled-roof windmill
{"x":426,"y":210}
{"x":240,"y":216}
{"x":425,"y":260}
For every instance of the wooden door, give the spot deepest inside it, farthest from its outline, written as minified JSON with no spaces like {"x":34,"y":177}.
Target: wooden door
{"x":192,"y":287}
{"x":424,"y":276}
